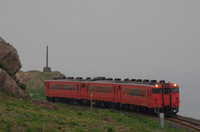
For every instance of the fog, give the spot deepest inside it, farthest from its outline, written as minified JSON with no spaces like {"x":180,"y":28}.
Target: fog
{"x":113,"y":38}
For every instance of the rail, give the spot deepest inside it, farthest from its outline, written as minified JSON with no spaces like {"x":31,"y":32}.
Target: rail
{"x":189,"y":122}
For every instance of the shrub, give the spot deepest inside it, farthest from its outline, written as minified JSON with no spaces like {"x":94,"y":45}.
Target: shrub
{"x":21,"y":85}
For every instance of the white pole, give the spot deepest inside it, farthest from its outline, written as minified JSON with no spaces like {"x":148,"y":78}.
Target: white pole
{"x":91,"y":101}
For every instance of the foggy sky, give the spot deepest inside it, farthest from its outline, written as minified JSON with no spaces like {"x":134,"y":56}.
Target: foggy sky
{"x":96,"y":37}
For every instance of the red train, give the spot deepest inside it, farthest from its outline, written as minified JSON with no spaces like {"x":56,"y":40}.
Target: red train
{"x":139,"y":95}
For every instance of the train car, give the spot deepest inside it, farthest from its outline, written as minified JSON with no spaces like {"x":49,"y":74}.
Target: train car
{"x":139,"y":95}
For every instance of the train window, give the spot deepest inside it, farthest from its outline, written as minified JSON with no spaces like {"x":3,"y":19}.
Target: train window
{"x":67,"y":87}
{"x":111,"y":89}
{"x":136,"y":92}
{"x":156,"y":90}
{"x":93,"y":89}
{"x":128,"y":91}
{"x":132,"y":92}
{"x":166,"y":91}
{"x":83,"y":85}
{"x":139,"y":92}
{"x":175,"y":90}
{"x":143,"y":93}
{"x":74,"y":87}
{"x":99,"y":89}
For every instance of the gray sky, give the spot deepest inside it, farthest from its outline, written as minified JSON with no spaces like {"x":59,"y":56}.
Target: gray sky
{"x":98,"y":37}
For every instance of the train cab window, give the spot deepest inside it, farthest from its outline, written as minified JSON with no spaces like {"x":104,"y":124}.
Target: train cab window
{"x":67,"y":87}
{"x":166,"y":91}
{"x":175,"y":90}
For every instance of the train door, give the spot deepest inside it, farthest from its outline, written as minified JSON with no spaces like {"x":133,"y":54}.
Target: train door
{"x":117,"y":93}
{"x":79,"y":95}
{"x":166,"y":97}
{"x":83,"y":90}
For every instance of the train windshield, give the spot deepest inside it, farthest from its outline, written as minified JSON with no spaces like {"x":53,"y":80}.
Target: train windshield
{"x":175,"y":90}
{"x":156,"y":90}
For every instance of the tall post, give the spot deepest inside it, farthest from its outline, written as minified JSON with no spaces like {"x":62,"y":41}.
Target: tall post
{"x":91,"y":102}
{"x":47,"y":57}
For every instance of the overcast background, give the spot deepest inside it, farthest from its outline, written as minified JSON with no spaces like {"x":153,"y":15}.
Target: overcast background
{"x":114,"y":38}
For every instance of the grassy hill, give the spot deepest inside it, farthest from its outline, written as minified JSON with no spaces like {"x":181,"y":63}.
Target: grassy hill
{"x":34,"y":81}
{"x":21,"y":115}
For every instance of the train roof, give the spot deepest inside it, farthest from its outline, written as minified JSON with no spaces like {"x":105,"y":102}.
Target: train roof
{"x":103,"y":80}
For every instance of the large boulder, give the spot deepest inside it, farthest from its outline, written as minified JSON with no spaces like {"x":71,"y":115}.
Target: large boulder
{"x":9,"y":85}
{"x":9,"y":56}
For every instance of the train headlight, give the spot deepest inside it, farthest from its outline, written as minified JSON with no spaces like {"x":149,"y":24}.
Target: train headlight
{"x":156,"y":85}
{"x":175,"y":84}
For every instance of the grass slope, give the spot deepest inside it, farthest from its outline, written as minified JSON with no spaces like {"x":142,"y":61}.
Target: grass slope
{"x":21,"y":115}
{"x":34,"y":81}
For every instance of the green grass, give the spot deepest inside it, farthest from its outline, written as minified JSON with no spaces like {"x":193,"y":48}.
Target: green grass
{"x":21,"y":115}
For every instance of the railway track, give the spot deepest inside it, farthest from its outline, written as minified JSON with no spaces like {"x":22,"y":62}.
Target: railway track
{"x":189,"y":122}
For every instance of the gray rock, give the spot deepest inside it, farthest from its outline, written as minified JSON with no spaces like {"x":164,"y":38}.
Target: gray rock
{"x":9,"y":85}
{"x":9,"y":56}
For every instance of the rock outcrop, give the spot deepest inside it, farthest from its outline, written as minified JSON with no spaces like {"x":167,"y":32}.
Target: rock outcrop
{"x":9,"y":85}
{"x":9,"y":65}
{"x":9,"y":56}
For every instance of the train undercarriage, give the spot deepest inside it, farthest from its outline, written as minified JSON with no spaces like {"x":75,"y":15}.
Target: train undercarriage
{"x":168,"y":111}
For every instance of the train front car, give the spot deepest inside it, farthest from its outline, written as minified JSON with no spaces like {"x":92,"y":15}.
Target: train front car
{"x":166,"y":98}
